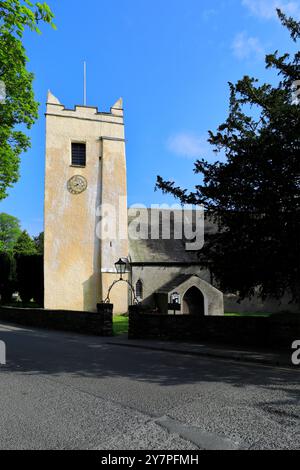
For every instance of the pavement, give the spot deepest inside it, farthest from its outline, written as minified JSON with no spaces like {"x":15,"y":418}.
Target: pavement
{"x":220,"y":351}
{"x":67,"y":391}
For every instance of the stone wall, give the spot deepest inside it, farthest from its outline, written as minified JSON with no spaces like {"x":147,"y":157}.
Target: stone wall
{"x":98,"y":324}
{"x":154,"y":277}
{"x":278,"y":332}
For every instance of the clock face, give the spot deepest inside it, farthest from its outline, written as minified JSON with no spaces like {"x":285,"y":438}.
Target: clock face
{"x":77,"y":184}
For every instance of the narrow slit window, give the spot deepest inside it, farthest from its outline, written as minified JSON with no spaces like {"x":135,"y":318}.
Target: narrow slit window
{"x":78,"y":154}
{"x":139,"y":290}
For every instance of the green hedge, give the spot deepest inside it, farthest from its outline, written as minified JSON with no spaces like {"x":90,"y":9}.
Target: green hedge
{"x":30,"y":278}
{"x":23,"y":274}
{"x":7,"y":276}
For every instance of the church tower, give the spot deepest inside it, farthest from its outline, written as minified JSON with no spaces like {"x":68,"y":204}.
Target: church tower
{"x":85,"y":171}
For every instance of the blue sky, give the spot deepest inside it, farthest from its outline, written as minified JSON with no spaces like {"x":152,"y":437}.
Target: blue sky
{"x":170,"y":61}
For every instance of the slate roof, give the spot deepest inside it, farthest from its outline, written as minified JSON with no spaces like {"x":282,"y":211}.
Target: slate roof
{"x":161,"y":251}
{"x":175,"y":283}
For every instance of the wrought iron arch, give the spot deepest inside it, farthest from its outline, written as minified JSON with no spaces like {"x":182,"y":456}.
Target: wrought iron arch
{"x":135,"y":299}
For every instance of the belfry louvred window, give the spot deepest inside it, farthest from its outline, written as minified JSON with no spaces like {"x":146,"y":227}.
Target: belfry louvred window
{"x":78,"y":154}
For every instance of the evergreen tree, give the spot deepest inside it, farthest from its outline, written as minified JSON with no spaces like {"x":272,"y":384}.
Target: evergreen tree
{"x":10,"y":231}
{"x":39,"y":243}
{"x":254,"y":196}
{"x":25,"y":245}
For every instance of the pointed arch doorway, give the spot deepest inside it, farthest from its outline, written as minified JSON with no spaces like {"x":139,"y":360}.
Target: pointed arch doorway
{"x":193,"y":302}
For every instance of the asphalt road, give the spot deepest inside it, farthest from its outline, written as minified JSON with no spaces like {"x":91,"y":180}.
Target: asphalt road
{"x":65,"y":391}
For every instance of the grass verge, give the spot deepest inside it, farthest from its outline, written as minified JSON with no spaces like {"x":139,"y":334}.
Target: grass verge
{"x":21,"y":305}
{"x":120,"y":325}
{"x":245,"y":314}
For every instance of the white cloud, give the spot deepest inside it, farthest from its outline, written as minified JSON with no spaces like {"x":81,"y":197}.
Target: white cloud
{"x":209,"y":13}
{"x":247,"y":47}
{"x":267,"y":8}
{"x":187,"y":144}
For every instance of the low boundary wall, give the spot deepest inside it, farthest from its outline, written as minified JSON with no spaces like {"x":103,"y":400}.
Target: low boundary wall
{"x":277,"y":332}
{"x":99,"y":324}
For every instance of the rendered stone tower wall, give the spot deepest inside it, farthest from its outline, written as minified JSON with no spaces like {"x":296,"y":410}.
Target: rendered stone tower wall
{"x":79,"y":267}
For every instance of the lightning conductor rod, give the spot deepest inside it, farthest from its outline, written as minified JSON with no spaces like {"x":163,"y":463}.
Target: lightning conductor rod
{"x":84,"y":83}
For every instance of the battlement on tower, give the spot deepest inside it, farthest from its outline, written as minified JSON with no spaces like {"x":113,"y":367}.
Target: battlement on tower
{"x":91,"y":113}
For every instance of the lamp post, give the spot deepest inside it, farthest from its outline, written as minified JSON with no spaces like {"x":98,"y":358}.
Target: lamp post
{"x":122,"y":268}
